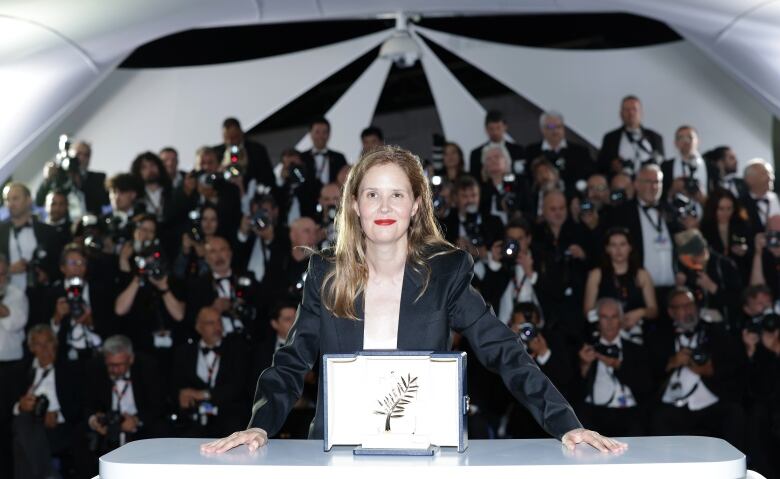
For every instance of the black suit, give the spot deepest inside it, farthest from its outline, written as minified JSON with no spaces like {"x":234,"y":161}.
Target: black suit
{"x":46,"y":237}
{"x":573,"y":162}
{"x":93,"y":185}
{"x":610,"y":147}
{"x":491,"y":229}
{"x":516,"y":153}
{"x":229,"y":394}
{"x":627,"y":216}
{"x":336,"y":161}
{"x":449,"y":302}
{"x":258,"y":162}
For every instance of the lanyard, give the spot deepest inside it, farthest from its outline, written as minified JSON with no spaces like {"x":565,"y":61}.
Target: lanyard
{"x":16,"y":240}
{"x":656,"y":225}
{"x":519,"y":287}
{"x":211,"y":377}
{"x":229,"y":291}
{"x":325,"y":160}
{"x":638,"y":144}
{"x":46,"y":372}
{"x":119,"y":395}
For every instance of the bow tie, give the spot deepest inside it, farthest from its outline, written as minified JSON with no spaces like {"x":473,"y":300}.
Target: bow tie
{"x":220,"y":278}
{"x":206,"y":350}
{"x":125,"y":378}
{"x":649,"y":207}
{"x":18,"y":229}
{"x":319,"y":152}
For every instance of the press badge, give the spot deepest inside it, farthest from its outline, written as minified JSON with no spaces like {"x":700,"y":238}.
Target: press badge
{"x":519,"y":167}
{"x":661,"y":240}
{"x":162,"y":340}
{"x":73,"y":355}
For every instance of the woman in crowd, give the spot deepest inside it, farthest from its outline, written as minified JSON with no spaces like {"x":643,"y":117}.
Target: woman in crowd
{"x":621,"y":277}
{"x":391,"y":256}
{"x":191,"y":262}
{"x":725,"y":227}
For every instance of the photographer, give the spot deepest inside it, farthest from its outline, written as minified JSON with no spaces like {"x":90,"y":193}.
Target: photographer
{"x":621,"y":189}
{"x":297,"y":191}
{"x":226,"y":290}
{"x":322,"y":163}
{"x":616,"y":376}
{"x":210,"y":379}
{"x":48,"y":414}
{"x":502,"y":192}
{"x":124,"y":398}
{"x":702,"y":372}
{"x":122,"y":191}
{"x":170,"y":159}
{"x":559,"y":251}
{"x":30,"y":246}
{"x":252,"y":155}
{"x":761,"y":339}
{"x":204,"y":224}
{"x":688,"y":166}
{"x":626,"y":148}
{"x":761,"y":202}
{"x":330,"y":197}
{"x":80,"y":307}
{"x":57,"y":214}
{"x":546,"y":178}
{"x":726,"y":231}
{"x":766,"y":258}
{"x":552,"y":357}
{"x":467,"y":227}
{"x":206,"y":184}
{"x":510,"y":277}
{"x":148,"y":308}
{"x":261,"y":239}
{"x":712,"y":278}
{"x":723,"y":164}
{"x":70,"y":174}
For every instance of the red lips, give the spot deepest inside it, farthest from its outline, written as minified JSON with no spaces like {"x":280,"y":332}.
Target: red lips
{"x":386,"y":222}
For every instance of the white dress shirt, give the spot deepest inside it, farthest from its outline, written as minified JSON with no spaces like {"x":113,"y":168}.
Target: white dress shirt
{"x":682,"y":169}
{"x":81,"y":336}
{"x":685,"y":388}
{"x":12,"y":326}
{"x":21,"y":246}
{"x":639,"y":150}
{"x":657,"y":246}
{"x":321,"y":165}
{"x":608,"y":391}
{"x":768,"y":208}
{"x":224,"y":289}
{"x":208,"y":365}
{"x":122,"y":397}
{"x":519,"y":290}
{"x":45,"y":384}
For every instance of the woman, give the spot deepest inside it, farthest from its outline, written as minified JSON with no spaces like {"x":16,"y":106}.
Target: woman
{"x":191,"y":261}
{"x":724,"y":225}
{"x":621,"y":277}
{"x":452,"y":159}
{"x":412,"y":288}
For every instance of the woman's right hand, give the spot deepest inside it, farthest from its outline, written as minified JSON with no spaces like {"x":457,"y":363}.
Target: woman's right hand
{"x":253,"y":438}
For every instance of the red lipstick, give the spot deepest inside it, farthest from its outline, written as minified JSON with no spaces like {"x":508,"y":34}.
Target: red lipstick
{"x":385,"y":222}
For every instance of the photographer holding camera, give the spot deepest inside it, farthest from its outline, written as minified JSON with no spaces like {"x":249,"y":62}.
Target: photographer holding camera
{"x":148,"y":307}
{"x":48,"y":414}
{"x":30,"y":246}
{"x":688,"y":166}
{"x":69,"y":173}
{"x":297,"y":187}
{"x":467,"y":227}
{"x":203,"y":224}
{"x":124,"y":398}
{"x":761,"y":202}
{"x":617,"y":379}
{"x":703,"y":376}
{"x":261,"y":239}
{"x":211,"y":379}
{"x":502,"y":193}
{"x":627,"y":147}
{"x":330,"y":197}
{"x":57,"y":215}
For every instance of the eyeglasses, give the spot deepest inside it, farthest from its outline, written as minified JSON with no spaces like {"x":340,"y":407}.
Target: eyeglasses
{"x":75,"y":262}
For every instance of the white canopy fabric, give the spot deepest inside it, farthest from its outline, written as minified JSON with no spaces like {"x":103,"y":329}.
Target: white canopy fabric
{"x":54,"y":53}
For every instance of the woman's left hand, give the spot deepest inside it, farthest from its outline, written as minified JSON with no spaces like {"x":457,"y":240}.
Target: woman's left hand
{"x":602,"y":443}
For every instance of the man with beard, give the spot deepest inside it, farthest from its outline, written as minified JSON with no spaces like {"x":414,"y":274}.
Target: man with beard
{"x":157,"y":196}
{"x":57,"y":214}
{"x":722,"y":169}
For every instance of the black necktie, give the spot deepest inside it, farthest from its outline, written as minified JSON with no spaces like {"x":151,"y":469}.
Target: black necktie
{"x":649,"y":207}
{"x":206,"y":350}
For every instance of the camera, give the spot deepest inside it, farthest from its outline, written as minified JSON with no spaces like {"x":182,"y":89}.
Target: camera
{"x":74,"y":294}
{"x":195,"y":230}
{"x":41,"y":406}
{"x":65,"y":162}
{"x":684,"y":207}
{"x":700,"y":354}
{"x":112,"y":421}
{"x":627,"y":166}
{"x":437,"y":152}
{"x":261,"y":219}
{"x":739,"y":241}
{"x":691,"y":185}
{"x":473,"y":229}
{"x":510,"y":250}
{"x":586,"y":206}
{"x":608,"y":350}
{"x":439,"y":201}
{"x":617,"y":197}
{"x":527,"y":332}
{"x":773,"y":239}
{"x":38,"y":261}
{"x":327,"y":214}
{"x":242,"y":311}
{"x":296,"y":176}
{"x":149,"y":262}
{"x":763,"y":322}
{"x":509,"y":195}
{"x":118,"y":229}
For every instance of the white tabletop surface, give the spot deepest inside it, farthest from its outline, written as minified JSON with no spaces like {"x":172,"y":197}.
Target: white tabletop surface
{"x":663,"y":457}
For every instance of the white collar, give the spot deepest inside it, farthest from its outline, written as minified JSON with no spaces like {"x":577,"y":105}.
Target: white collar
{"x":546,"y":146}
{"x":615,"y":342}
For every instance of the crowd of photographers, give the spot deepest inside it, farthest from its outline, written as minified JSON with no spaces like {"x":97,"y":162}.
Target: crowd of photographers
{"x":643,"y":283}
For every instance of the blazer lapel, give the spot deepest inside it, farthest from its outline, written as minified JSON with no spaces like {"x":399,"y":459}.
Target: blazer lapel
{"x":409,"y":333}
{"x":350,"y":332}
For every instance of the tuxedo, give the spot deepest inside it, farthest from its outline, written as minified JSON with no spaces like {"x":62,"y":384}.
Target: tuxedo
{"x":693,"y":169}
{"x":573,"y":161}
{"x":518,"y":160}
{"x":610,"y":147}
{"x":425,"y":321}
{"x":229,"y":389}
{"x":258,"y":162}
{"x":335,"y":161}
{"x":46,"y":238}
{"x":627,"y":216}
{"x":204,"y":289}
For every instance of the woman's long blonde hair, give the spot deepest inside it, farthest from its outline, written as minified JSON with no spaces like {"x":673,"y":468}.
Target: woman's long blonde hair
{"x":347,"y":279}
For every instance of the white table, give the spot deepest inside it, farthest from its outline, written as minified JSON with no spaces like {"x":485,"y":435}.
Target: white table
{"x":665,"y":457}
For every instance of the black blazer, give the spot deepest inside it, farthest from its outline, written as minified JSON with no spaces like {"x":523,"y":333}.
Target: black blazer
{"x":93,"y":185}
{"x":491,"y":228}
{"x":47,"y":238}
{"x":66,"y":382}
{"x":627,"y":216}
{"x":610,"y":146}
{"x":517,"y":153}
{"x":634,"y":372}
{"x":574,"y":162}
{"x":336,"y":161}
{"x":449,"y":302}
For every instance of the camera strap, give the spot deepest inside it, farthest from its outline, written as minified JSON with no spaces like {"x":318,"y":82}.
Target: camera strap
{"x":657,"y":225}
{"x":211,"y":370}
{"x":640,"y":143}
{"x":46,"y":372}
